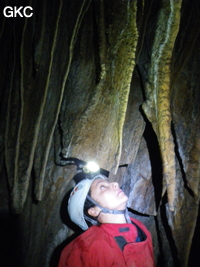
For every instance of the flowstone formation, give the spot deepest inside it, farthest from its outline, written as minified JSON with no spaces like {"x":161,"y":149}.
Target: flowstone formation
{"x":112,"y":81}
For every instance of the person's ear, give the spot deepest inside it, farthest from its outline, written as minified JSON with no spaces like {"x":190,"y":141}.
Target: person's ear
{"x":94,"y":212}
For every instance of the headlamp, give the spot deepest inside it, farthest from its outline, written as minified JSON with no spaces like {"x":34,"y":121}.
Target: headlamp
{"x":91,"y":167}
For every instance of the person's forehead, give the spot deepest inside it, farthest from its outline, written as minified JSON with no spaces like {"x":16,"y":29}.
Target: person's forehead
{"x":97,"y":181}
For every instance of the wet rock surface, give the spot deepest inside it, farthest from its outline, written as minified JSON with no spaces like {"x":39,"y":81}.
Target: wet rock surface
{"x":113,"y":81}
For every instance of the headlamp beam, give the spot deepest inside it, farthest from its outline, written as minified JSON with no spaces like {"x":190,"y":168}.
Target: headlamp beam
{"x":91,"y":167}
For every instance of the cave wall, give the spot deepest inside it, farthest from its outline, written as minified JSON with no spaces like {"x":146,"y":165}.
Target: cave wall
{"x":113,"y":81}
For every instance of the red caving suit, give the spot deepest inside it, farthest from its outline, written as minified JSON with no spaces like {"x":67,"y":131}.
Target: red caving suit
{"x":110,"y":245}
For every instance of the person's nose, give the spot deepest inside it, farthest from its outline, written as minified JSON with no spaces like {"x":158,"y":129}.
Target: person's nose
{"x":115,"y":185}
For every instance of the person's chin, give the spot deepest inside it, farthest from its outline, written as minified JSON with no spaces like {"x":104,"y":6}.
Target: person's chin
{"x":123,"y":195}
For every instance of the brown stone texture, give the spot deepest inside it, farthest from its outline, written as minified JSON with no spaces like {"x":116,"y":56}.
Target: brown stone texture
{"x":115,"y":81}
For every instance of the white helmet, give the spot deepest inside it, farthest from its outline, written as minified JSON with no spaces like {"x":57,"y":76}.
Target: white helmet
{"x":77,"y":200}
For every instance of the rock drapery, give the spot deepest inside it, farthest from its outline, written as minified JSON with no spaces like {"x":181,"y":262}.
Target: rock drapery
{"x":86,"y":79}
{"x":157,"y":104}
{"x":106,"y":107}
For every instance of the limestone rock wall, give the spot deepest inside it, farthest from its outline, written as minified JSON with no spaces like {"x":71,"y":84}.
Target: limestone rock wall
{"x":113,"y":81}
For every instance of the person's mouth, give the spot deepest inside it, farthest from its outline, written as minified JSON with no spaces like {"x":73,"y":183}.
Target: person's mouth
{"x":120,"y":191}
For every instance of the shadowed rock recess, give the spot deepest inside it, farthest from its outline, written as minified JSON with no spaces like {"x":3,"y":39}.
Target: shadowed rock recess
{"x":115,"y":81}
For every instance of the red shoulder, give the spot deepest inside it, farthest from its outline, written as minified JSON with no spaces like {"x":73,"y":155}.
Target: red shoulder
{"x":85,"y":249}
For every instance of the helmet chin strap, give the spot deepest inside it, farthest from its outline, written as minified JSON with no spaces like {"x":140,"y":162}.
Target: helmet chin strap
{"x":105,"y":210}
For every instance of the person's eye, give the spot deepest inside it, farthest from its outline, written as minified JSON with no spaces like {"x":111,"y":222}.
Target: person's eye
{"x":102,"y":186}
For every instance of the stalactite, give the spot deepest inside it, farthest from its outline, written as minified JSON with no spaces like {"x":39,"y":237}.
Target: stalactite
{"x":7,"y":135}
{"x":20,"y":188}
{"x":101,"y":79}
{"x":102,"y":41}
{"x":19,"y":180}
{"x":18,"y":184}
{"x":39,"y":45}
{"x":109,"y":97}
{"x":40,"y":179}
{"x":130,"y":40}
{"x":17,"y":197}
{"x":157,"y":105}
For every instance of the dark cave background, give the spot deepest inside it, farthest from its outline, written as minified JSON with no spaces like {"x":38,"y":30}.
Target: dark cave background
{"x":112,"y":81}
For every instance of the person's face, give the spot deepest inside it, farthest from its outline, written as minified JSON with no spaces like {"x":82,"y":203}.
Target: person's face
{"x":108,"y":195}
